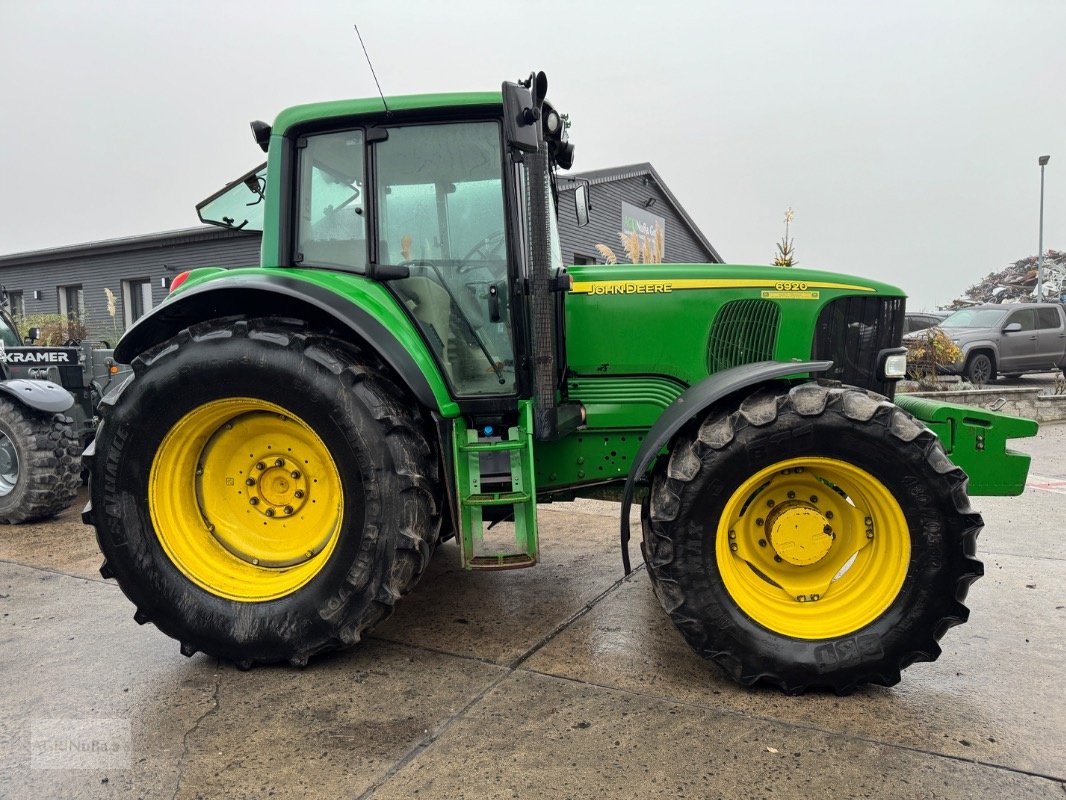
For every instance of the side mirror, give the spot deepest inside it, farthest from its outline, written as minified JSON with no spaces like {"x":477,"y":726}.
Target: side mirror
{"x":33,"y":334}
{"x":1013,"y":327}
{"x":581,"y":202}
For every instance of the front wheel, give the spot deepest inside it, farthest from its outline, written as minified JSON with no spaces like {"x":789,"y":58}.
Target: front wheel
{"x":39,"y":463}
{"x":261,"y":493}
{"x":979,"y":369}
{"x":816,"y":538}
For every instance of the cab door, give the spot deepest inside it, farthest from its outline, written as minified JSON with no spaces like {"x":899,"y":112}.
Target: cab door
{"x":440,"y":210}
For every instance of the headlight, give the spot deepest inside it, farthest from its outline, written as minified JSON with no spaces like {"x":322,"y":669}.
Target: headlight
{"x":892,"y":364}
{"x":896,"y":366}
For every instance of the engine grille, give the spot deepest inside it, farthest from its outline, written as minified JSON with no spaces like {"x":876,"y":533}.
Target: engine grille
{"x":744,"y":331}
{"x":852,"y":331}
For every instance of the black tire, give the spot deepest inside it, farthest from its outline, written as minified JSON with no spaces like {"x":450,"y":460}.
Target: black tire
{"x":709,"y":462}
{"x":389,"y":517}
{"x":39,"y":463}
{"x":980,"y":369}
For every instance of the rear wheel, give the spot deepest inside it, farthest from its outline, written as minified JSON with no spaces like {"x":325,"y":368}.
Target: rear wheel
{"x":260,"y":494}
{"x":819,"y":538}
{"x":39,"y":463}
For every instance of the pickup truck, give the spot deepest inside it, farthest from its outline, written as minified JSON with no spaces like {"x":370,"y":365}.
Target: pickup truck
{"x":1007,"y":339}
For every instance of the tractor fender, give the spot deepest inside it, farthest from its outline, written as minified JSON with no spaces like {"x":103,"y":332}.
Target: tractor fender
{"x":265,"y":294}
{"x":694,"y":400}
{"x":39,"y":395}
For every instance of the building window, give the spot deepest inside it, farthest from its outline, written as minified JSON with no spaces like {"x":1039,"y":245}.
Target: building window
{"x":71,"y":302}
{"x":136,"y":299}
{"x":580,"y":259}
{"x":17,"y":304}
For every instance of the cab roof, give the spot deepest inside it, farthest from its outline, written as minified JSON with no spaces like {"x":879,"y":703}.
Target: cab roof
{"x":312,"y":112}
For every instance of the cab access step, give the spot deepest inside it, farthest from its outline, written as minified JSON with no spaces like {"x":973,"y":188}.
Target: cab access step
{"x":473,"y":453}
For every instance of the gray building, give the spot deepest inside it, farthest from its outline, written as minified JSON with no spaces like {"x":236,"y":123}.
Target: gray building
{"x":74,"y":281}
{"x":627,"y":198}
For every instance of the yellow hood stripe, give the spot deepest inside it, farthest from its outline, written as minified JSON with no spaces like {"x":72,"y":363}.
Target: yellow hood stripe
{"x":663,"y":286}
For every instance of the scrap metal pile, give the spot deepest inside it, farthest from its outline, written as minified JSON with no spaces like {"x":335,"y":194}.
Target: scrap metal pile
{"x":1017,"y":283}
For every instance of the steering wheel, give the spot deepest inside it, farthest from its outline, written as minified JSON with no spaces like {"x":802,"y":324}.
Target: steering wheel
{"x":488,"y":249}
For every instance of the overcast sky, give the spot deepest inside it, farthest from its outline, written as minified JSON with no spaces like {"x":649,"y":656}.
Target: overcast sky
{"x":904,"y":134}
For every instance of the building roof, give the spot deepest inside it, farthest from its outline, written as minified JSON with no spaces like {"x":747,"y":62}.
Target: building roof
{"x":124,"y":244}
{"x":643,"y":170}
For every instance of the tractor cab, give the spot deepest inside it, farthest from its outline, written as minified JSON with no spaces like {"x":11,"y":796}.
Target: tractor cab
{"x":437,"y":206}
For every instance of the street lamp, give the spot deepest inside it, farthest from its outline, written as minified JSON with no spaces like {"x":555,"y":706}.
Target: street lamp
{"x":1042,"y":161}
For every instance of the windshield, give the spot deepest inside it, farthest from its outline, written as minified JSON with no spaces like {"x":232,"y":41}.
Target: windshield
{"x":975,"y":318}
{"x":441,"y":214}
{"x":8,"y":335}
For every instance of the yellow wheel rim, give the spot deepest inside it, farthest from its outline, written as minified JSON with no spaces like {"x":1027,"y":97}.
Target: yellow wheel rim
{"x":245,"y":499}
{"x":813,"y":548}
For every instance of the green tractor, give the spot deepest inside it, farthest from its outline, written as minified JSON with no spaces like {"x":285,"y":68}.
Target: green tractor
{"x":413,"y":361}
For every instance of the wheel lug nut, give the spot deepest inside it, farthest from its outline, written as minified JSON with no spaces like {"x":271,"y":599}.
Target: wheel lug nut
{"x":791,"y":495}
{"x":298,"y":493}
{"x":269,"y":512}
{"x":827,"y":529}
{"x":295,"y":474}
{"x":250,"y":481}
{"x":253,"y":500}
{"x":769,"y":503}
{"x":288,"y":509}
{"x":279,"y":462}
{"x":260,"y":466}
{"x":762,"y":543}
{"x":869,"y":534}
{"x":814,"y":498}
{"x":777,"y":559}
{"x":759,"y":521}
{"x":733,"y":546}
{"x":732,"y":534}
{"x":828,"y":514}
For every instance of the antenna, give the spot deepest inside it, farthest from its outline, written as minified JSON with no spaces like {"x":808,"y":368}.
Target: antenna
{"x":371,"y":64}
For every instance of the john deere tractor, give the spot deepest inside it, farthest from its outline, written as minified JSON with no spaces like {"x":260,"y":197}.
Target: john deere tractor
{"x":413,"y":361}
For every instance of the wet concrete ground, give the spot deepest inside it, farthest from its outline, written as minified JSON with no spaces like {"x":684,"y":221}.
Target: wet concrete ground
{"x":560,"y":681}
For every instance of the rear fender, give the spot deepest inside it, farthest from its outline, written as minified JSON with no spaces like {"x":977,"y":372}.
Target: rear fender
{"x":358,"y":309}
{"x":694,"y":400}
